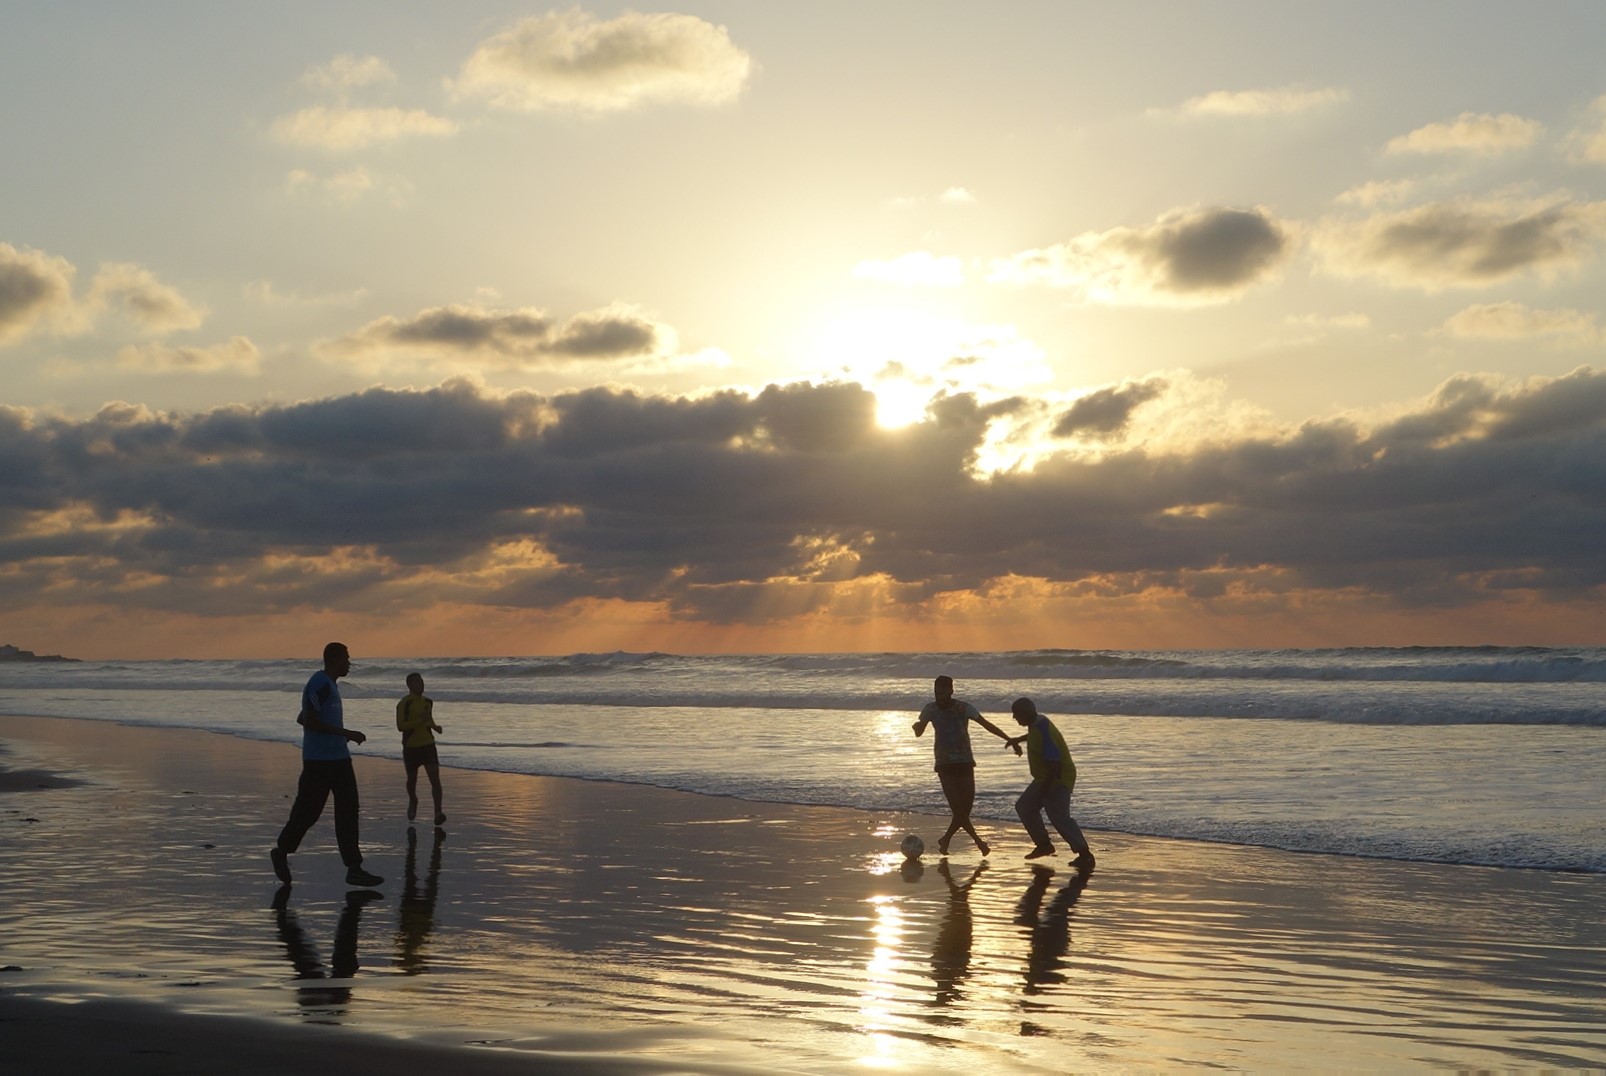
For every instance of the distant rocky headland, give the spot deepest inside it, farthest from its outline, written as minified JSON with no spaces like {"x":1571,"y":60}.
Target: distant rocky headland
{"x":12,"y":653}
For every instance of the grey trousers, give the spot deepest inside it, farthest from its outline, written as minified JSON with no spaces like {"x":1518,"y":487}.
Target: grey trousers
{"x":1053,"y":799}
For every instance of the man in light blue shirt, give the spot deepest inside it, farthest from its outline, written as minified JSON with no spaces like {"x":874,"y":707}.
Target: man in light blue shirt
{"x":325,"y":768}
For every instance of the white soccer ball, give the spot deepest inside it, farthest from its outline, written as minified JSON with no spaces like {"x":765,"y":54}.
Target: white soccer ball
{"x":912,"y":847}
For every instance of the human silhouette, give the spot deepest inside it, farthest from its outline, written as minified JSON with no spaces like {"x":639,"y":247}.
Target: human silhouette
{"x":325,"y":770}
{"x":1053,"y":778}
{"x":415,"y":720}
{"x":953,"y":760}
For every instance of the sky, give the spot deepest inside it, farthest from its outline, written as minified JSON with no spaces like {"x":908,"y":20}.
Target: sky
{"x":499,"y":329}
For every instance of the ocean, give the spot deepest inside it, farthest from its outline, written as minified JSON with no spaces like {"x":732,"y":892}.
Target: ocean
{"x":1481,"y":755}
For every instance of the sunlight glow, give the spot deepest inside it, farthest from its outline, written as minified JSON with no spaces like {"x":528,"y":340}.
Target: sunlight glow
{"x":908,"y":357}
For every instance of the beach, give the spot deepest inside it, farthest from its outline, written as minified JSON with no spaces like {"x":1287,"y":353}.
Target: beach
{"x":560,"y":924}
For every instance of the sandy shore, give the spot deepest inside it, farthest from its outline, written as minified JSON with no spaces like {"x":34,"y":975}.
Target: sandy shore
{"x":563,"y":925}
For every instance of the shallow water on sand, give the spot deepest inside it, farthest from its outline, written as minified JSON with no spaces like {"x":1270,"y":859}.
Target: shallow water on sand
{"x":1477,"y":755}
{"x":701,"y":931}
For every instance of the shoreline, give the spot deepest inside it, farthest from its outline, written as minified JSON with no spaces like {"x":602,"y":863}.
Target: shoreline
{"x":626,"y":925}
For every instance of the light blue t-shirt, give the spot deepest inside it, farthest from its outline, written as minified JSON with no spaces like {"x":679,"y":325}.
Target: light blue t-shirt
{"x":321,"y":696}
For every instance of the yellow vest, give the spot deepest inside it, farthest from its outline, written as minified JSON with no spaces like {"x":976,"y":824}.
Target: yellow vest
{"x":413,"y":716}
{"x":1034,"y":752}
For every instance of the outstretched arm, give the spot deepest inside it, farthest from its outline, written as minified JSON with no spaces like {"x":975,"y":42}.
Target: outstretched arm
{"x":992,"y":728}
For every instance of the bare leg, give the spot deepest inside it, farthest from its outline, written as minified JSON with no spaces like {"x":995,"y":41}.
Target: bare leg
{"x":959,"y":786}
{"x":434,"y":771}
{"x":412,"y":793}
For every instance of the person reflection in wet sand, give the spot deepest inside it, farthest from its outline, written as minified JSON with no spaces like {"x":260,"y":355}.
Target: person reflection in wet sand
{"x":417,"y":916}
{"x":334,"y":995}
{"x":1050,"y":929}
{"x":950,"y":956}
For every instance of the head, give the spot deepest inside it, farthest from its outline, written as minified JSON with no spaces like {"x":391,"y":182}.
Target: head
{"x":336,"y":660}
{"x":1024,"y":709}
{"x":415,"y":683}
{"x":943,"y":688}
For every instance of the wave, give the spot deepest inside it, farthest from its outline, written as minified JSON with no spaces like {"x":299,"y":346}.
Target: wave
{"x":1400,"y":686}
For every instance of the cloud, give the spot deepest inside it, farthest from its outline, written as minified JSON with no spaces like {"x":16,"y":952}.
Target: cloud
{"x":514,"y":338}
{"x":237,"y":355}
{"x":957,"y":196}
{"x":608,"y":334}
{"x":1378,"y":192}
{"x":710,"y":506}
{"x":348,"y":72}
{"x":1106,"y":412}
{"x":1470,"y":132}
{"x":915,"y":269}
{"x":1512,"y":321}
{"x":138,"y":295}
{"x":1189,"y":256}
{"x":1279,"y":102}
{"x":572,"y":60}
{"x":337,"y":129}
{"x":35,"y":289}
{"x":345,"y":188}
{"x":1588,"y":141}
{"x":1464,"y":244}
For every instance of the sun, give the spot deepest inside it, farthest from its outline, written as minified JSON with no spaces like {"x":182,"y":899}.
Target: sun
{"x":908,"y":357}
{"x":900,"y":402}
{"x":898,"y":355}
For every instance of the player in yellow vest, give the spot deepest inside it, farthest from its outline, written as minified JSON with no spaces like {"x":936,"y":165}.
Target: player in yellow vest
{"x":415,"y":719}
{"x":1053,"y":777}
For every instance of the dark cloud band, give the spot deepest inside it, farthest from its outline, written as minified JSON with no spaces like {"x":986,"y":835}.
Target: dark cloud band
{"x":711,"y":504}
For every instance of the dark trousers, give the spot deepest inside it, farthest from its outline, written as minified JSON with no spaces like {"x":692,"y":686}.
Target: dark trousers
{"x":319,"y":778}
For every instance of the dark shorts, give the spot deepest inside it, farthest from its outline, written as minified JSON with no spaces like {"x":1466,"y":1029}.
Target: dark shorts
{"x":953,"y":767}
{"x":414,"y":757}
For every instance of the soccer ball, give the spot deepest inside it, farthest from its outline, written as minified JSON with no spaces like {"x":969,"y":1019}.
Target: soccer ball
{"x":912,"y":847}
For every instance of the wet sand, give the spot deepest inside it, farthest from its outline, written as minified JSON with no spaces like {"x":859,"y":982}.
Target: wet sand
{"x":565,"y":925}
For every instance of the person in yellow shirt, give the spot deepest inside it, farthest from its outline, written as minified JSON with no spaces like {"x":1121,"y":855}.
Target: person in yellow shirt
{"x":1053,"y":777}
{"x":415,"y":719}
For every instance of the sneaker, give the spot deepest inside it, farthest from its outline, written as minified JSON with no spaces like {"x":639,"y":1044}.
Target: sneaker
{"x":281,"y":865}
{"x":440,"y":818}
{"x":1040,"y":851}
{"x":358,"y":876}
